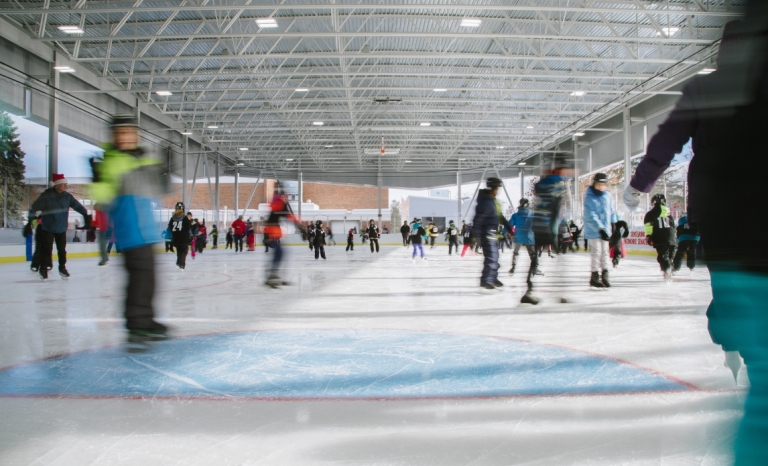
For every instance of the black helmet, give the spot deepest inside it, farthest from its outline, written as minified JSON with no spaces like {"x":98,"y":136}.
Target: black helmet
{"x":124,"y":120}
{"x":179,"y":206}
{"x":659,"y":199}
{"x":600,"y":178}
{"x":319,"y":222}
{"x":493,"y":183}
{"x":524,"y":203}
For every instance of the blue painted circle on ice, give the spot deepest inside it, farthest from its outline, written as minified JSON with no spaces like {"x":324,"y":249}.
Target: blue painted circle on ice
{"x":292,"y":364}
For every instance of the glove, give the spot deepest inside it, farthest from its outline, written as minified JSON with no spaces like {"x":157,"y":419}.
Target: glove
{"x":88,"y":221}
{"x":632,"y":198}
{"x":649,"y":240}
{"x":604,"y":235}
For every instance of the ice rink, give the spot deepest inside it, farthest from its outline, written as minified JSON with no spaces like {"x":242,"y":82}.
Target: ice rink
{"x":365,"y":359}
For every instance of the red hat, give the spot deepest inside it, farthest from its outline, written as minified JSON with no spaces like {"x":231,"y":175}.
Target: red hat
{"x":58,"y":179}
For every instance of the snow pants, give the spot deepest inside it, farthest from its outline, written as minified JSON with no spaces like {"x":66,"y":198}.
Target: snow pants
{"x":687,"y":247}
{"x":490,"y":273}
{"x":665,"y":253}
{"x":598,"y":255}
{"x":140,"y":291}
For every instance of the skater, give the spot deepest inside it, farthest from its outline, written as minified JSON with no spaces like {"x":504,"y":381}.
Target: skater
{"x":129,"y":183}
{"x":487,"y":222}
{"x":53,"y":206}
{"x":351,"y":240}
{"x":310,"y":235}
{"x":723,"y":114}
{"x":363,"y":234}
{"x":452,"y":236}
{"x":279,"y":209}
{"x":202,"y":236}
{"x":36,"y":225}
{"x":660,"y":234}
{"x":250,"y":236}
{"x":620,"y":232}
{"x":433,"y":232}
{"x":599,"y":214}
{"x":102,"y":225}
{"x":466,"y":234}
{"x":215,"y":237}
{"x":238,"y":231}
{"x":522,"y":223}
{"x":179,"y":227}
{"x":373,"y":235}
{"x":418,"y":234}
{"x":550,"y":196}
{"x":329,"y":235}
{"x":194,"y":229}
{"x":565,"y":241}
{"x":230,"y":239}
{"x":29,"y":235}
{"x":405,"y":230}
{"x":318,"y":238}
{"x":576,"y":234}
{"x":687,"y":241}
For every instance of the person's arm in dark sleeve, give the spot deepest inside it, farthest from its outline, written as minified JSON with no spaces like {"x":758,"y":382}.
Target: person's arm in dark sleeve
{"x":77,"y":207}
{"x":37,"y":206}
{"x":673,"y":134}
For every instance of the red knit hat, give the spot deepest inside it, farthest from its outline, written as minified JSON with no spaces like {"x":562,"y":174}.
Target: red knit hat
{"x":58,"y":179}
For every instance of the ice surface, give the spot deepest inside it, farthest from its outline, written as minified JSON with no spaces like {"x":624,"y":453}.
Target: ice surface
{"x":391,"y":317}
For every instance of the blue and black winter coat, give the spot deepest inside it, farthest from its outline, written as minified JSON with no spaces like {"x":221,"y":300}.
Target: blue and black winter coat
{"x":599,"y":213}
{"x":522,"y":221}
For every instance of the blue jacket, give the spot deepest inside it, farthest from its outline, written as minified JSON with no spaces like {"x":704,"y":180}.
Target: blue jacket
{"x":686,"y":231}
{"x":599,"y":213}
{"x":550,"y":193}
{"x":522,"y":220}
{"x":54,"y":208}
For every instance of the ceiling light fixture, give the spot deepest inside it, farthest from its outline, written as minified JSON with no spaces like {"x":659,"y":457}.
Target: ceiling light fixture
{"x":521,"y":163}
{"x":670,"y":31}
{"x":213,"y":127}
{"x":243,"y":148}
{"x":266,"y":23}
{"x":240,"y":164}
{"x":471,"y":23}
{"x":461,"y":160}
{"x":501,"y":147}
{"x":440,"y":90}
{"x":578,"y":93}
{"x":318,"y":123}
{"x":707,"y":71}
{"x":187,"y":133}
{"x":425,"y":123}
{"x":302,"y":89}
{"x":163,"y":92}
{"x":71,"y":29}
{"x":64,"y":69}
{"x":289,"y":160}
{"x":579,"y":134}
{"x":529,"y":126}
{"x":329,"y":146}
{"x":407,"y":161}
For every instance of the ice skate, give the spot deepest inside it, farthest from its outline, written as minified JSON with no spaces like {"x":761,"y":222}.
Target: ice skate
{"x":180,"y":267}
{"x":668,"y":276}
{"x":604,"y":279}
{"x":733,"y":362}
{"x":273,"y":282}
{"x":538,"y":273}
{"x":512,"y":271}
{"x":63,"y":272}
{"x":43,"y":271}
{"x":528,"y":298}
{"x":498,"y":284}
{"x":102,"y":263}
{"x":487,"y":287}
{"x":595,"y":282}
{"x":34,"y":269}
{"x":137,"y":344}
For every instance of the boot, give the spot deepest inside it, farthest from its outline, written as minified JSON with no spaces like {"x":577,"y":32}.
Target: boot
{"x":63,"y":272}
{"x":606,"y":282}
{"x":512,"y":270}
{"x":528,"y":298}
{"x":595,"y":282}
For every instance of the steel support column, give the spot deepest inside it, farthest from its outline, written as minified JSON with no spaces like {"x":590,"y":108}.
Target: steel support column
{"x":476,"y":190}
{"x":379,"y":181}
{"x":627,"y":147}
{"x":301,"y":188}
{"x":184,"y":171}
{"x":458,"y":195}
{"x":237,"y":192}
{"x":53,"y":125}
{"x":217,"y":198}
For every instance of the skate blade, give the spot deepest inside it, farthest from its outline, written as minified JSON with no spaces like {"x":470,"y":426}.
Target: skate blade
{"x":135,"y":347}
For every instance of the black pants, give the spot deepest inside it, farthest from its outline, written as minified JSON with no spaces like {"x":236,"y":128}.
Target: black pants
{"x":168,"y":246}
{"x":686,"y":247}
{"x":239,"y":243}
{"x":319,"y":252}
{"x":542,"y":240}
{"x":36,"y":254}
{"x":215,"y":242}
{"x":350,"y":244}
{"x":46,"y":248}
{"x":453,"y":243}
{"x":229,"y":244}
{"x":405,"y":239}
{"x":140,"y":265}
{"x":181,"y":253}
{"x":432,"y":241}
{"x":665,"y":254}
{"x":376,"y":241}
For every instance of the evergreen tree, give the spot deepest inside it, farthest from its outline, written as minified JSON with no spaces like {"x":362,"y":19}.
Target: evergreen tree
{"x":11,"y":167}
